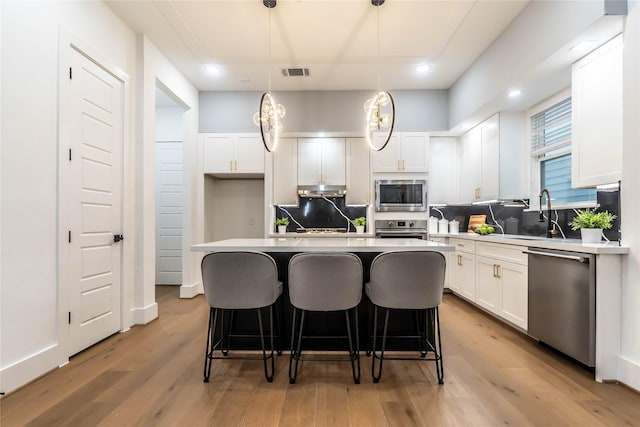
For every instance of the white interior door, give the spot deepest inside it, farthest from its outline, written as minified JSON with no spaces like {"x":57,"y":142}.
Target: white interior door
{"x":169,"y":213}
{"x":92,"y":194}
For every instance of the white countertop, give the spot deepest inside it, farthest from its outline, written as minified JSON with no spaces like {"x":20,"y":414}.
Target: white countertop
{"x":575,"y":245}
{"x":295,"y":235}
{"x":335,"y":244}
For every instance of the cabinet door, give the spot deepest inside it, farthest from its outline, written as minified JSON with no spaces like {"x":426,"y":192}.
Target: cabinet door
{"x":388,"y":159}
{"x":358,"y":172}
{"x":514,"y":279}
{"x":465,"y":276}
{"x":470,"y":147}
{"x":414,"y":152}
{"x":490,"y":159}
{"x":309,"y":161}
{"x":468,"y":283}
{"x":596,"y":91}
{"x":285,"y":172}
{"x":218,"y":153}
{"x":454,"y":265}
{"x":249,"y":154}
{"x":333,"y":170}
{"x":443,"y":180}
{"x":488,"y":285}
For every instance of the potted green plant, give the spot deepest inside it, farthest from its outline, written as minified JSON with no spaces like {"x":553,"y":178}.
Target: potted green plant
{"x":591,"y":223}
{"x":282,"y":223}
{"x":359,"y":223}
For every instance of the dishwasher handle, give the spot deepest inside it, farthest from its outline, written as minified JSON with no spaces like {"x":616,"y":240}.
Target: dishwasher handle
{"x":554,"y":255}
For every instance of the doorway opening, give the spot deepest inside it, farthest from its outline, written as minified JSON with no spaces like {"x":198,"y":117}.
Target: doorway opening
{"x":169,"y":187}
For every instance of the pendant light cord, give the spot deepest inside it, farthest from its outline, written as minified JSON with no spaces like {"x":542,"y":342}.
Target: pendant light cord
{"x":269,"y":49}
{"x":378,"y":43}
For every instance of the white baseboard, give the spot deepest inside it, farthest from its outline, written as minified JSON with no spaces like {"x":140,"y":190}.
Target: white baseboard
{"x":190,"y":291}
{"x":142,"y":316}
{"x":629,"y":373}
{"x":28,"y":369}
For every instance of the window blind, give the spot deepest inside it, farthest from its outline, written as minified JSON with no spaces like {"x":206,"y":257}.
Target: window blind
{"x":551,"y":129}
{"x":551,"y":147}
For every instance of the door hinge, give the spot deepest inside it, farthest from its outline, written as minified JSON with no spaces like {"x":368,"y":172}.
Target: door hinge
{"x":70,"y":73}
{"x":69,"y":154}
{"x":69,"y":236}
{"x":69,"y":317}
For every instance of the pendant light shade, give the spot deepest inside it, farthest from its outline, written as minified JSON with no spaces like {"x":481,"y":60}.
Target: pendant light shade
{"x":269,"y":119}
{"x":380,"y":113}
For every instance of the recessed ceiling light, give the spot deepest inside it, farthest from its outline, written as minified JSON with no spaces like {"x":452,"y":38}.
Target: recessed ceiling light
{"x":423,"y":68}
{"x":212,"y":69}
{"x":582,"y":46}
{"x":514,"y":93}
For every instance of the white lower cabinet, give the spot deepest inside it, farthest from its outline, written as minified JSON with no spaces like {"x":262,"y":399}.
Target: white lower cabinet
{"x":462,"y":275}
{"x":501,"y":281}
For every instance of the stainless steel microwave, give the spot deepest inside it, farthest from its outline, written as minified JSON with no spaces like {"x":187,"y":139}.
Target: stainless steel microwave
{"x":395,"y":195}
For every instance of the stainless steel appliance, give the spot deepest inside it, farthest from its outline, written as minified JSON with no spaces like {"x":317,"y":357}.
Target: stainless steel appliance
{"x":394,"y":195}
{"x":412,"y":229}
{"x":562,"y":302}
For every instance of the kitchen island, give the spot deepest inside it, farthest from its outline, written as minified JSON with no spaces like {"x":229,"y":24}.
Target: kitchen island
{"x":321,"y":324}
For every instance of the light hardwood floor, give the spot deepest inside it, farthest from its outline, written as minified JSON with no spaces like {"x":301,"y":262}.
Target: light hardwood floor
{"x":152,"y":375}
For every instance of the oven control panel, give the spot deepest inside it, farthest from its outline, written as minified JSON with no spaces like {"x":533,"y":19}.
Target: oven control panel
{"x":401,"y":224}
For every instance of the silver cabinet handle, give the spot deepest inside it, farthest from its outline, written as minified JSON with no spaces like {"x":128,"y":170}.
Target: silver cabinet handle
{"x":553,"y":255}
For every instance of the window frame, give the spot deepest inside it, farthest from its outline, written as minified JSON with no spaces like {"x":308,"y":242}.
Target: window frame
{"x":535,"y":163}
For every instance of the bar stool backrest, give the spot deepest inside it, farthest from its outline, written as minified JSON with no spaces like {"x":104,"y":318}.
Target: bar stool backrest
{"x":240,"y":280}
{"x":325,"y":281}
{"x":409,"y":280}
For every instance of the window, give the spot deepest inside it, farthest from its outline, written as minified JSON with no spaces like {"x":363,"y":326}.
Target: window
{"x":551,"y":150}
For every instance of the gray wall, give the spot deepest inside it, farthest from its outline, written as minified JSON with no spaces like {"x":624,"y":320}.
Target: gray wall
{"x":323,"y":111}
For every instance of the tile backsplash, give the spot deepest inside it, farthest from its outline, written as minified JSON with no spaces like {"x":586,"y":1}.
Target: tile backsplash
{"x":516,"y":220}
{"x":315,"y":212}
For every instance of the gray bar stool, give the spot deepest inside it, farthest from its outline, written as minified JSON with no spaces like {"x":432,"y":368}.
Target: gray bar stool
{"x":239,"y":281}
{"x":411,"y":280}
{"x":325,"y":282}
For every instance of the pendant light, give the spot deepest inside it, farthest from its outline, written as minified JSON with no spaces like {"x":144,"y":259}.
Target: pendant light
{"x":380,"y":111}
{"x":270,"y":113}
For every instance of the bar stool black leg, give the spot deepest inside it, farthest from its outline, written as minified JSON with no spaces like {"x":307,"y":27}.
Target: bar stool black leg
{"x":208,"y":355}
{"x":422,"y":338}
{"x":353,"y":355}
{"x":439,"y":360}
{"x":264,"y":352}
{"x":376,"y":378}
{"x":297,"y":353}
{"x":278,"y":327}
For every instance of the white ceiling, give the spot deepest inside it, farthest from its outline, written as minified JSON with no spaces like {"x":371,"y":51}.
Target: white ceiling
{"x":336,"y":39}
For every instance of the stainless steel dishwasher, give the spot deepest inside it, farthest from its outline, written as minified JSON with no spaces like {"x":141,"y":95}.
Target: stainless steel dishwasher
{"x":561,"y":305}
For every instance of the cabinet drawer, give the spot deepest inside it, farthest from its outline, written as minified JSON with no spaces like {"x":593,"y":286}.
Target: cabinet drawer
{"x":508,"y":253}
{"x":462,"y":245}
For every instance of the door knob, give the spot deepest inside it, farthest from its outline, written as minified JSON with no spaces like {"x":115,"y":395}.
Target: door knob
{"x":117,"y":238}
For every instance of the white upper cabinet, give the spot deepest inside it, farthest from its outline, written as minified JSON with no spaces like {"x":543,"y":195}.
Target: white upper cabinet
{"x":405,"y":152}
{"x":232,"y":154}
{"x":358,"y":172}
{"x":285,"y":172}
{"x":388,"y":159}
{"x":493,"y":158}
{"x":321,"y":161}
{"x":469,"y":172}
{"x":596,"y":105}
{"x":443,"y":164}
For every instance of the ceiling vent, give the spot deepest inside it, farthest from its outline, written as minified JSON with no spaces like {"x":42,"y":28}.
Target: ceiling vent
{"x":295,"y":72}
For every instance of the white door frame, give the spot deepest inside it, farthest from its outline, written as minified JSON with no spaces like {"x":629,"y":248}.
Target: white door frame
{"x":69,"y":42}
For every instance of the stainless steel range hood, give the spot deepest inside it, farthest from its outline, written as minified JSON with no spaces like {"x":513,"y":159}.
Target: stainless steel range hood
{"x":321,"y":190}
